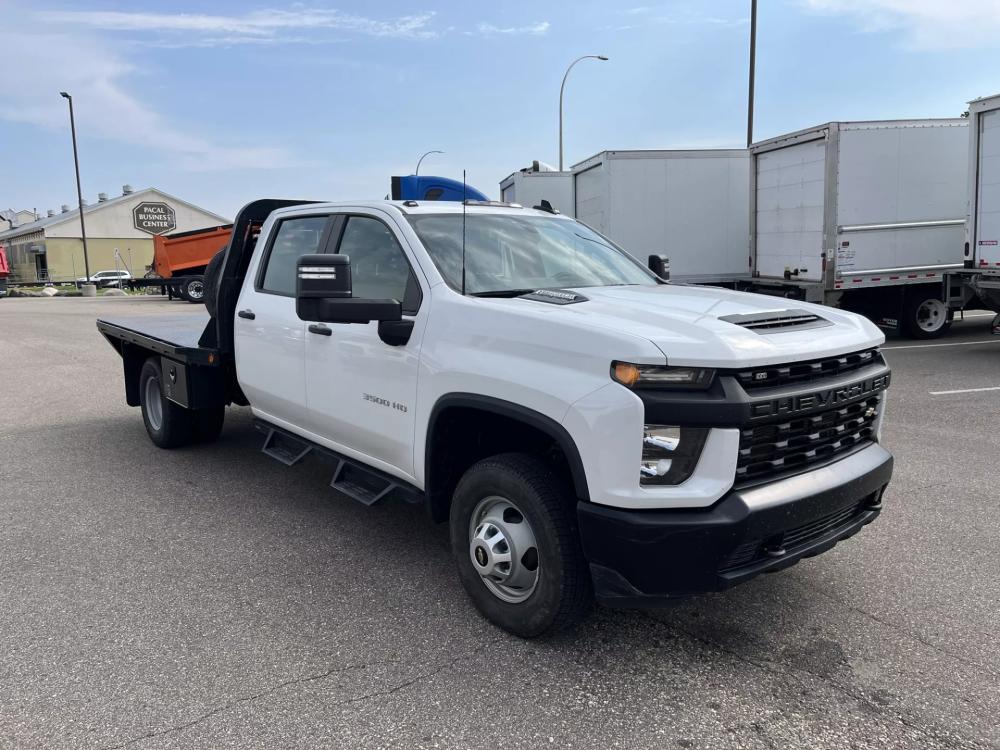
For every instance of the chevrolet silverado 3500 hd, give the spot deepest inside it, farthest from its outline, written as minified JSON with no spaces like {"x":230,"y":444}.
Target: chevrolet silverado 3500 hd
{"x":583,"y":426}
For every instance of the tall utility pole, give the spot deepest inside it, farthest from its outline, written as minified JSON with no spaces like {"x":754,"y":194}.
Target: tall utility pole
{"x":79,"y":191}
{"x":753,"y":62}
{"x":562,"y":88}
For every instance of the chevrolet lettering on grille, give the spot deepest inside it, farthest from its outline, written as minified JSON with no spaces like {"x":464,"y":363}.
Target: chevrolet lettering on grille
{"x":807,"y":402}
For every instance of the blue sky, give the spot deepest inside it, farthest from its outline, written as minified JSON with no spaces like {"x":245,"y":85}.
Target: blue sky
{"x":226,"y":102}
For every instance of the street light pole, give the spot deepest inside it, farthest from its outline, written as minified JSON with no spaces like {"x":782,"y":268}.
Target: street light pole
{"x":561,"y":90}
{"x":79,"y":191}
{"x":416,"y":172}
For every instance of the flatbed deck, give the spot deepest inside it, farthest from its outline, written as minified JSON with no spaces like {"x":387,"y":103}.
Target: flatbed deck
{"x":174,"y":336}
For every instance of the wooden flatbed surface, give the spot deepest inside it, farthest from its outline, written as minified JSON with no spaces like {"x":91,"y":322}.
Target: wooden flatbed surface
{"x":174,"y":336}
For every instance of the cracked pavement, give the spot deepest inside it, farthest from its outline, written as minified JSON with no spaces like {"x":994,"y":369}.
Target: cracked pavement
{"x":212,"y":598}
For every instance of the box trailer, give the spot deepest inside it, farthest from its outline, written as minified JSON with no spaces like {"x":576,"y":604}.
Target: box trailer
{"x":864,"y":215}
{"x":531,"y":185}
{"x":689,"y":206}
{"x":982,"y":227}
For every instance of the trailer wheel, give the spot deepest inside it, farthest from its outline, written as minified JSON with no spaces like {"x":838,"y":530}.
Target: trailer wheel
{"x":514,"y":538}
{"x":169,"y":425}
{"x":212,"y":271}
{"x":193,"y":288}
{"x":925,"y":316}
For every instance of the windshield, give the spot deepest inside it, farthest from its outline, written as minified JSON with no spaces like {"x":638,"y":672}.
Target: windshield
{"x":507,"y":255}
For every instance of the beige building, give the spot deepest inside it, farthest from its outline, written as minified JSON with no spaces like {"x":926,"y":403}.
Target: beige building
{"x":120,"y":235}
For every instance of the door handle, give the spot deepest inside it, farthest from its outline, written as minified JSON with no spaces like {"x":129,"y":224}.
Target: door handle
{"x":319,"y":328}
{"x":248,"y":314}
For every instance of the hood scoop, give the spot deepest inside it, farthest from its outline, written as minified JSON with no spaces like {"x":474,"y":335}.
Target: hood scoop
{"x":778,"y":322}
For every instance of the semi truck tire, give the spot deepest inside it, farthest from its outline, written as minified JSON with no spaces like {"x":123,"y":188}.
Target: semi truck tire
{"x":193,"y":289}
{"x":925,"y":316}
{"x":514,"y":538}
{"x":212,"y":271}
{"x":169,"y":425}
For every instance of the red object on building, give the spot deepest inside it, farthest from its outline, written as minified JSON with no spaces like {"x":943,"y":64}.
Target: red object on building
{"x":4,"y":265}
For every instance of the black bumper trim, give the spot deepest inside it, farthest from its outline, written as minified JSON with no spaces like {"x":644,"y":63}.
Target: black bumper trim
{"x":637,"y":557}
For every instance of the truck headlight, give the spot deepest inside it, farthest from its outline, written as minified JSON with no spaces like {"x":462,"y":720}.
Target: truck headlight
{"x":670,"y":453}
{"x":660,"y":376}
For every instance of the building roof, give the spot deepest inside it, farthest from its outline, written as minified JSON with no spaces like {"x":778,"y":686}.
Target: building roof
{"x":74,"y":214}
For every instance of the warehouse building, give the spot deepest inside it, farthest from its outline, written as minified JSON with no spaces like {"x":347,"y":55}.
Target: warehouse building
{"x":119,"y":230}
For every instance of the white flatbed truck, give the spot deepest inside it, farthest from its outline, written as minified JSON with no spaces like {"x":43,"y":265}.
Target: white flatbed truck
{"x":584,"y":427}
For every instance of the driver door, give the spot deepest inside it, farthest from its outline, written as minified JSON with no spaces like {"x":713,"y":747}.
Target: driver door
{"x":361,"y":392}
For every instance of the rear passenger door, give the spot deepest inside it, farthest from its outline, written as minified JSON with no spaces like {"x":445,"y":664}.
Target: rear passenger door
{"x":269,"y":338}
{"x":362,"y":391}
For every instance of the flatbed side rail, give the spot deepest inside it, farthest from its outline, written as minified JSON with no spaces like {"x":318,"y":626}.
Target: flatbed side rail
{"x":187,"y":355}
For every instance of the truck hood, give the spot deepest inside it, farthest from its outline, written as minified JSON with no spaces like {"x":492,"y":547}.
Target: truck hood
{"x":685,"y":323}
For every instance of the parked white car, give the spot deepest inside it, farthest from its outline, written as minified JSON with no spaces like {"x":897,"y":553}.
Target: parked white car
{"x":105,"y":278}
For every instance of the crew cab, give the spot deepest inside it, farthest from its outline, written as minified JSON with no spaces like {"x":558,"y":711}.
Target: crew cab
{"x":585,"y":427}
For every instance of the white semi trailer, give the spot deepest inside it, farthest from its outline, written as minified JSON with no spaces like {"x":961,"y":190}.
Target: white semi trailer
{"x":982,"y":245}
{"x":864,"y":215}
{"x":688,"y":206}
{"x":531,"y":185}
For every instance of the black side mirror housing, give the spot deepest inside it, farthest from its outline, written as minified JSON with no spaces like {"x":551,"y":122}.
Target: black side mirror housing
{"x":323,"y":293}
{"x":660,"y":265}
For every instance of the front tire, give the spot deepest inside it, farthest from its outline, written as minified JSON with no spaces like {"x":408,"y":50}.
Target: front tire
{"x":168,"y":425}
{"x":515,"y":541}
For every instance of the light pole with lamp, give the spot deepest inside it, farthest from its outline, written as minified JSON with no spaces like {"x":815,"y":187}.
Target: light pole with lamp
{"x":416,"y":172}
{"x":79,"y":191}
{"x":561,"y":90}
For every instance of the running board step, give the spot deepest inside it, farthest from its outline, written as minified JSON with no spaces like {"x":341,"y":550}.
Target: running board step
{"x":360,"y":484}
{"x":284,"y":448}
{"x":354,"y":479}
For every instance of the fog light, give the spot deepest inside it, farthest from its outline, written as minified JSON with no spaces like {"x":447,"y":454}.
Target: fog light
{"x":670,"y":453}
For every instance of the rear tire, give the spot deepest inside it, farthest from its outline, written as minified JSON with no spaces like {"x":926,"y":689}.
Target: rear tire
{"x":168,"y":425}
{"x":925,"y":316}
{"x":193,"y":289}
{"x":513,"y":506}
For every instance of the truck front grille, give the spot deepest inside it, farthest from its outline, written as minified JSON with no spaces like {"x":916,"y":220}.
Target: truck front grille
{"x":801,"y":372}
{"x":779,"y":446}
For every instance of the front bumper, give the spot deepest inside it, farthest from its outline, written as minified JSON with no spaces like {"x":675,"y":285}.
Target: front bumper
{"x":637,"y":557}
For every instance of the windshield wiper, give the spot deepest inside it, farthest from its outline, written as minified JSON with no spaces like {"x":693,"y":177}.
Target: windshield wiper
{"x":503,"y":293}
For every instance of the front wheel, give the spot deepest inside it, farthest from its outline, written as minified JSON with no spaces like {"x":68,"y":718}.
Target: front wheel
{"x":925,"y":316}
{"x":515,"y":541}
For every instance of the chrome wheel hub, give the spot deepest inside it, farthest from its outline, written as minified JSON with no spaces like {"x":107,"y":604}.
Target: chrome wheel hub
{"x":503,"y":549}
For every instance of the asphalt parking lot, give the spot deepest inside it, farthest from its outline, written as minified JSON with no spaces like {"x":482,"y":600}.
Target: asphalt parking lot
{"x":211,"y":598}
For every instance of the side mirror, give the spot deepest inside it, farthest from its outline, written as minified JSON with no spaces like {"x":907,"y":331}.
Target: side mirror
{"x":323,"y":293}
{"x":660,"y":265}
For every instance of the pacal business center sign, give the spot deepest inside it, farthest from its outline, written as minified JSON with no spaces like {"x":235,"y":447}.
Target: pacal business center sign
{"x":154,"y":218}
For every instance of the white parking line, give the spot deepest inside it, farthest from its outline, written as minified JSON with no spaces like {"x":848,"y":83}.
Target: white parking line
{"x":964,"y":390}
{"x":928,"y":346}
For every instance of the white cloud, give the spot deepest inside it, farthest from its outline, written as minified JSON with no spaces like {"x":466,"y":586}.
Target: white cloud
{"x":251,"y":27}
{"x":534,"y":29}
{"x":924,"y":24}
{"x":98,"y":77}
